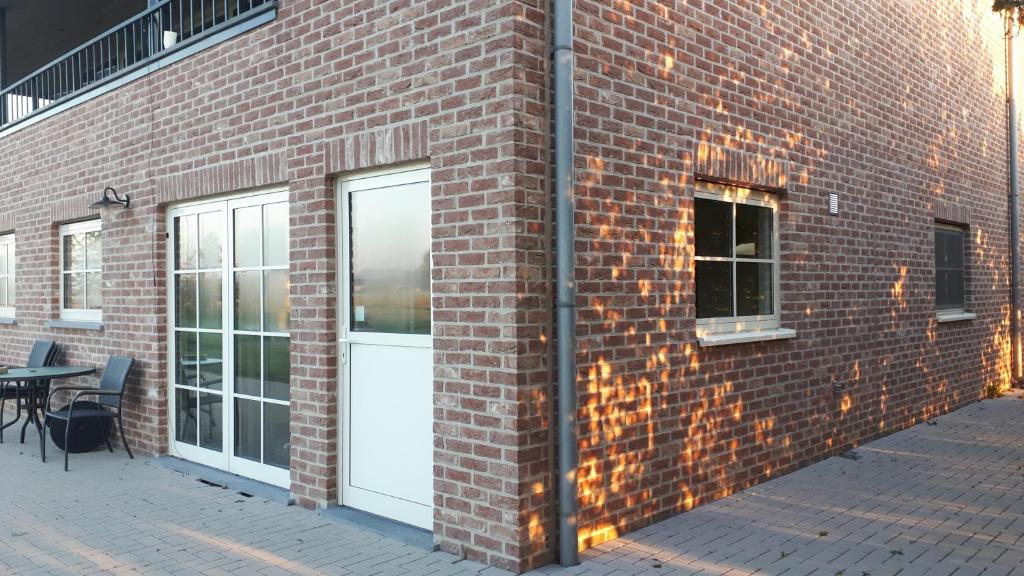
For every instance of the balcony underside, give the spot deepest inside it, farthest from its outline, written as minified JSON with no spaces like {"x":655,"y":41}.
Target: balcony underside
{"x":54,"y":52}
{"x":39,"y":31}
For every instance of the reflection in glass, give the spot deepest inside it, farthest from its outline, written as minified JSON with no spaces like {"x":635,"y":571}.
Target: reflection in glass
{"x":276,"y":437}
{"x":276,"y":368}
{"x":211,"y":240}
{"x":74,"y":291}
{"x":753,"y":231}
{"x":185,"y":352}
{"x":3,"y":259}
{"x":93,"y":250}
{"x":712,"y":227}
{"x":247,"y":365}
{"x":94,"y":290}
{"x":247,"y":429}
{"x":10,"y":291}
{"x":275,"y":234}
{"x":754,"y":289}
{"x":714,"y":289}
{"x":74,"y":252}
{"x":247,"y":237}
{"x":210,"y":421}
{"x":210,"y":363}
{"x":247,"y":301}
{"x":185,"y":300}
{"x":391,"y":277}
{"x":3,"y":293}
{"x":185,"y":416}
{"x":185,"y":243}
{"x":277,"y":305}
{"x":211,"y":300}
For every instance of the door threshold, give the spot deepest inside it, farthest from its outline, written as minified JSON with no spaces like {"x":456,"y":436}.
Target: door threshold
{"x":215,"y":477}
{"x":393,"y":529}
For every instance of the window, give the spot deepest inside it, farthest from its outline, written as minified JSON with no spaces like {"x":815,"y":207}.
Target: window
{"x":81,"y":272}
{"x":950,"y":276}
{"x":7,"y":276}
{"x":737,"y":263}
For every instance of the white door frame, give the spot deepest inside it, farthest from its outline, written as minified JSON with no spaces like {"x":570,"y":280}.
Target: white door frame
{"x":225,"y":459}
{"x":349,"y":495}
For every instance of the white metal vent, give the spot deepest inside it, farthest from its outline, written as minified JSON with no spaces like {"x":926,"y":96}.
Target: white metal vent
{"x":833,"y":203}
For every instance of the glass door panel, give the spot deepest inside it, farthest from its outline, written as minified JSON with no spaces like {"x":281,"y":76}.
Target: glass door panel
{"x":198,"y":343}
{"x":262,"y":311}
{"x":390,"y":280}
{"x":229,"y":312}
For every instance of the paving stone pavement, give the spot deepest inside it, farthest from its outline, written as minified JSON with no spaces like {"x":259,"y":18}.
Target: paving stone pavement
{"x":945,"y":497}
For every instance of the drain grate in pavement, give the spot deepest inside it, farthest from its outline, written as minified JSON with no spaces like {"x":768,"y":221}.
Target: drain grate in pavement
{"x":209,"y":483}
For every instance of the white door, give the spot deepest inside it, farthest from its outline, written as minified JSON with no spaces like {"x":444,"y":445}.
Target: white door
{"x":228,"y":314}
{"x":386,"y":346}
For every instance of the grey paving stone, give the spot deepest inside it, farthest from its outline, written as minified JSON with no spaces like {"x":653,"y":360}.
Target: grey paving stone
{"x":945,"y":499}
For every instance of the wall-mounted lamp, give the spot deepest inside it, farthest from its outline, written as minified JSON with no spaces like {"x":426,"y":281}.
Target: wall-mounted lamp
{"x":108,"y":201}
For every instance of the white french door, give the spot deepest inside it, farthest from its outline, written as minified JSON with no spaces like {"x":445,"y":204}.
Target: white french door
{"x":228,"y":314}
{"x":386,"y":346}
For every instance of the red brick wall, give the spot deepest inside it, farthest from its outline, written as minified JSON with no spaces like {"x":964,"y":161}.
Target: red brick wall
{"x":900,"y":113}
{"x":330,"y":87}
{"x":898,"y":108}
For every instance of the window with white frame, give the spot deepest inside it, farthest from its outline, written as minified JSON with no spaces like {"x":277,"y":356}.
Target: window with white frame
{"x":736,"y":259}
{"x":950,"y":269}
{"x":81,"y":272}
{"x":6,"y":275}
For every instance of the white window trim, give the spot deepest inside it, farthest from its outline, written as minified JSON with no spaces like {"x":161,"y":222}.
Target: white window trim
{"x":83,"y":315}
{"x":8,"y":312}
{"x":944,"y":315}
{"x":742,"y":329}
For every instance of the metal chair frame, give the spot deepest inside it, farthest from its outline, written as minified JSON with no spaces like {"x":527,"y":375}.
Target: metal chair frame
{"x":44,"y":353}
{"x":111,"y":395}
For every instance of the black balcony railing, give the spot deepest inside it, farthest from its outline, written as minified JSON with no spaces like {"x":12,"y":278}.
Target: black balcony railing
{"x":168,"y":26}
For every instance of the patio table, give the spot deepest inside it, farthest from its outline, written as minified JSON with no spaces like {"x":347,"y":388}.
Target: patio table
{"x":36,"y":394}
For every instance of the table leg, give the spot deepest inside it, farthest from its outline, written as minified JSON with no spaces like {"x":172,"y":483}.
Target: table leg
{"x":30,"y":416}
{"x":3,"y":404}
{"x":32,"y":406}
{"x":38,"y":408}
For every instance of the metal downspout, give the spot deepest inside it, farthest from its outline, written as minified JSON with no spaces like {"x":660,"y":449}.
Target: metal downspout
{"x":1014,"y":193}
{"x":565,"y":238}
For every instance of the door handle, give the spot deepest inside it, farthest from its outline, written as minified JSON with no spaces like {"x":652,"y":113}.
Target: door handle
{"x":343,"y":349}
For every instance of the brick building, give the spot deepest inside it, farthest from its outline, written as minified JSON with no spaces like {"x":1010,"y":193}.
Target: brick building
{"x":336,"y":273}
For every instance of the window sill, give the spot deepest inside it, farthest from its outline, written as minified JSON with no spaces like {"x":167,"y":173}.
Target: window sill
{"x":709,"y":340}
{"x":75,"y":325}
{"x":944,"y":317}
{"x":7,"y":320}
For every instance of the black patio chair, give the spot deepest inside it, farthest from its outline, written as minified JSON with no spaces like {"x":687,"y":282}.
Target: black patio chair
{"x":110,"y":394}
{"x":44,"y":353}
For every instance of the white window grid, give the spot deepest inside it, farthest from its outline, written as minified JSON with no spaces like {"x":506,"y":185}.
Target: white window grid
{"x":7,"y":276}
{"x":78,"y":314}
{"x":736,"y":195}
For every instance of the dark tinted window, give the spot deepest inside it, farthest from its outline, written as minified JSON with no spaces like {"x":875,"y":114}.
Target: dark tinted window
{"x":712,"y":227}
{"x":949,"y":269}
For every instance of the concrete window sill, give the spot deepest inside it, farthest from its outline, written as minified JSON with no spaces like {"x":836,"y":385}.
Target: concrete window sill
{"x":7,"y":320}
{"x":75,"y":325}
{"x":944,"y":317}
{"x":709,"y":340}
